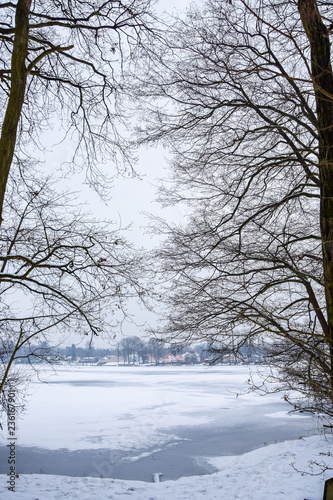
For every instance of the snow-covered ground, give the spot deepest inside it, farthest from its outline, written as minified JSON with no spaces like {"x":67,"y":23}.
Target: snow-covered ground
{"x":266,"y":473}
{"x":136,"y":421}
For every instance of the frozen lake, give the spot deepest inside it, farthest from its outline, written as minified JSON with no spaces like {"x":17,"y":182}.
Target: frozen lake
{"x":132,"y":422}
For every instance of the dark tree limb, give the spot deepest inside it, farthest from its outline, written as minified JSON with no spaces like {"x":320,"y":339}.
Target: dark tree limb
{"x":323,"y":86}
{"x":16,"y":95}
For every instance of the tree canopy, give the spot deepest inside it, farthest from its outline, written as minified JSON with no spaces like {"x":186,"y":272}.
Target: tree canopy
{"x":241,"y":92}
{"x":60,"y":63}
{"x":61,"y":271}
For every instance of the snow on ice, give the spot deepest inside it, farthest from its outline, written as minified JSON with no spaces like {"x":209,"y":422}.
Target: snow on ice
{"x":138,"y":412}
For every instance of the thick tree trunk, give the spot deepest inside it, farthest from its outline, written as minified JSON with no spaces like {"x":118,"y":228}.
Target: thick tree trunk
{"x":323,"y":85}
{"x":16,"y":95}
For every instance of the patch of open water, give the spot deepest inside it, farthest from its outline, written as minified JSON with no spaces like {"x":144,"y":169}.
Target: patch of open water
{"x":182,"y":457}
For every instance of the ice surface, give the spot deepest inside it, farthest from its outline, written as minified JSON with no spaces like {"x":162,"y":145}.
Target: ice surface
{"x":132,"y":422}
{"x":133,"y":408}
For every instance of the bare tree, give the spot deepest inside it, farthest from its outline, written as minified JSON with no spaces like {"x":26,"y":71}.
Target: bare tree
{"x":156,"y":350}
{"x":62,"y":274}
{"x":60,"y":66}
{"x":242,"y":94}
{"x":61,"y":60}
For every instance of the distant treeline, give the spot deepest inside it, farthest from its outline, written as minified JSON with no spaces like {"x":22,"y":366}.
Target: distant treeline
{"x":133,"y":349}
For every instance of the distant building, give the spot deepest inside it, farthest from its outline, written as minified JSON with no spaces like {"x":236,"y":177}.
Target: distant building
{"x":188,"y":358}
{"x":169,"y":359}
{"x":179,"y":358}
{"x":89,"y":360}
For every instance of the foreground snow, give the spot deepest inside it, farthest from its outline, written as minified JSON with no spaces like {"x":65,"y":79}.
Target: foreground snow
{"x":266,"y":473}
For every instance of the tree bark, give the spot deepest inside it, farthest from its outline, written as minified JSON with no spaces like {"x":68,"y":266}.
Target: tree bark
{"x":322,"y":76}
{"x":16,"y":95}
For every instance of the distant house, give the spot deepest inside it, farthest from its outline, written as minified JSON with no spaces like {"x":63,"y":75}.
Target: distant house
{"x":189,"y":357}
{"x":179,"y":358}
{"x":89,"y":360}
{"x":169,"y":359}
{"x":111,"y":359}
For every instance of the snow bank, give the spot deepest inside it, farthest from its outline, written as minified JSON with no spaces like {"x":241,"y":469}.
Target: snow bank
{"x":275,"y":472}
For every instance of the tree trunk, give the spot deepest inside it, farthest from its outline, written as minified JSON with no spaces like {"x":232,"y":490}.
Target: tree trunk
{"x":323,"y":85}
{"x":16,"y":95}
